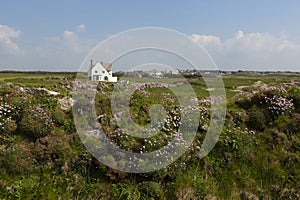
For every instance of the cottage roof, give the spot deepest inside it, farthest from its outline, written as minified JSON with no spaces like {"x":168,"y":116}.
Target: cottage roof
{"x":107,"y":66}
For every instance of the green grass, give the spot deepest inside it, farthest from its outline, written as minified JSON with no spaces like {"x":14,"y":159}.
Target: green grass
{"x":153,"y":80}
{"x":8,"y":76}
{"x":35,"y":80}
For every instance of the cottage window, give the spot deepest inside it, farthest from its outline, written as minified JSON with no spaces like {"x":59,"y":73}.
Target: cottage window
{"x":103,"y":72}
{"x":96,"y":72}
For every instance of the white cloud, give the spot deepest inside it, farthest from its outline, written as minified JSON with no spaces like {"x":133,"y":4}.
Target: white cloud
{"x":68,"y":41}
{"x":67,"y":49}
{"x":71,"y":42}
{"x":239,"y":35}
{"x":8,"y":33}
{"x":252,"y":49}
{"x":206,"y":40}
{"x":69,"y":34}
{"x":80,"y":28}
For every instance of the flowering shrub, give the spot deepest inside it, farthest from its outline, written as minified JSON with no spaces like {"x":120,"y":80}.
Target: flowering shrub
{"x":165,"y":130}
{"x":6,"y":112}
{"x":36,"y":122}
{"x":8,"y":118}
{"x":278,"y":105}
{"x":264,"y":104}
{"x":234,"y":139}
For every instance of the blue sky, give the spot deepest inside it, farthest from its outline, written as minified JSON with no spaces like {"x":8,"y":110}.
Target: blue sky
{"x":57,"y":35}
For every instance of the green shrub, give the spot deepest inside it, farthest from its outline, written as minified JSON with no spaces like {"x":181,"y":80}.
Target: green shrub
{"x":139,"y":191}
{"x":17,"y":160}
{"x":294,"y":93}
{"x":49,"y":103}
{"x":69,"y":126}
{"x":244,"y":102}
{"x":126,"y":191}
{"x":151,"y":190}
{"x":256,"y":119}
{"x":289,"y":124}
{"x":8,"y":121}
{"x":6,"y":134}
{"x":58,"y":116}
{"x":36,"y":122}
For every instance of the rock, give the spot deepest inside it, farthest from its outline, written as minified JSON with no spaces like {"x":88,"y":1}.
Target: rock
{"x":210,"y":197}
{"x":9,"y":85}
{"x":29,"y":90}
{"x":48,"y":91}
{"x":66,"y":103}
{"x":21,"y":89}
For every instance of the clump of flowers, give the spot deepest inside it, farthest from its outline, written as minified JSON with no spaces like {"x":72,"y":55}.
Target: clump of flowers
{"x":166,"y":130}
{"x":278,"y":104}
{"x":235,"y":138}
{"x":7,"y":115}
{"x":270,"y":98}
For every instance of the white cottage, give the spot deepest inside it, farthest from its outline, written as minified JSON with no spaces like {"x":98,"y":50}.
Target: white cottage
{"x":101,"y":72}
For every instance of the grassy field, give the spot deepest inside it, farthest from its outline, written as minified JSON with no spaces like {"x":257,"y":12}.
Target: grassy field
{"x":230,"y":81}
{"x":35,"y":79}
{"x":10,"y":76}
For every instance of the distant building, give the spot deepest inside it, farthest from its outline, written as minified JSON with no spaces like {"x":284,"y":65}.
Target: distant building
{"x":101,"y":72}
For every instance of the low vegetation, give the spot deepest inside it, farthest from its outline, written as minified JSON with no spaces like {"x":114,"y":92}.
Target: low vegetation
{"x":256,"y":157}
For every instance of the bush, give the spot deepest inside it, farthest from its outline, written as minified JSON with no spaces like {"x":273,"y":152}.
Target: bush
{"x":243,"y":101}
{"x":256,"y":119}
{"x":58,"y":116}
{"x":126,"y":191}
{"x":8,"y":121}
{"x":10,"y":127}
{"x":273,"y":101}
{"x":36,"y":122}
{"x":289,"y":124}
{"x":69,"y":126}
{"x":49,"y":103}
{"x":294,"y":94}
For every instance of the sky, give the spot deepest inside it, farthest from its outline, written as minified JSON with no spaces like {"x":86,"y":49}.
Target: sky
{"x":260,"y":35}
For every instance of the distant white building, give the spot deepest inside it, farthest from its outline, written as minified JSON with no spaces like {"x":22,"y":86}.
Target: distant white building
{"x":101,"y":72}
